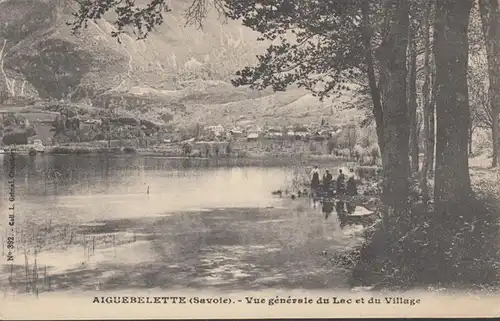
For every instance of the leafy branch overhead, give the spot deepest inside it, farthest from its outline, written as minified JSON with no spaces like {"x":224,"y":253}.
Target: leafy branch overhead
{"x":140,"y":20}
{"x":316,"y":44}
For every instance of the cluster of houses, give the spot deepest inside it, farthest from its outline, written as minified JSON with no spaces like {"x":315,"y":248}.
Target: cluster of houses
{"x":251,"y":133}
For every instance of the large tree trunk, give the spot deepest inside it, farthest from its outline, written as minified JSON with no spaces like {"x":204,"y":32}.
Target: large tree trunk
{"x":432,"y":121}
{"x":471,"y":133}
{"x":490,"y":15}
{"x":372,"y":80}
{"x":392,"y":57}
{"x":452,"y":180}
{"x":412,"y":102}
{"x":426,"y":93}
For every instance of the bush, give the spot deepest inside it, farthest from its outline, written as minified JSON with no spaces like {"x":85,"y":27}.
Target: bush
{"x":331,"y":145}
{"x":15,"y":137}
{"x":63,"y":150}
{"x":358,"y":153}
{"x":60,"y":150}
{"x":82,"y":151}
{"x":375,"y":152}
{"x":129,"y":150}
{"x":458,"y":248}
{"x":196,"y":153}
{"x":126,"y":121}
{"x":367,"y":171}
{"x":345,"y":153}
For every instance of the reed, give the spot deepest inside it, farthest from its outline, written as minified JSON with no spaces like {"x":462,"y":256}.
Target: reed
{"x":17,"y":243}
{"x":35,"y":276}
{"x":114,"y":243}
{"x":26,"y":269}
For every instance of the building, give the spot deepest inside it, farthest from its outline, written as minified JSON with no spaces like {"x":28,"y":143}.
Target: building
{"x":257,"y":129}
{"x":236,"y":132}
{"x":253,"y":136}
{"x":218,"y":130}
{"x":275,"y":132}
{"x":301,"y":131}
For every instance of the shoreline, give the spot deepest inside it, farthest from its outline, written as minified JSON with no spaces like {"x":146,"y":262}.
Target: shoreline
{"x":262,"y":157}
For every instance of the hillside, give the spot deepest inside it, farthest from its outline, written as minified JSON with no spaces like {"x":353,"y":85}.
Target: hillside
{"x":179,"y":70}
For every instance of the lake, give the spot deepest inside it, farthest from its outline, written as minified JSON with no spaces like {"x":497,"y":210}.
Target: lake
{"x":110,"y":222}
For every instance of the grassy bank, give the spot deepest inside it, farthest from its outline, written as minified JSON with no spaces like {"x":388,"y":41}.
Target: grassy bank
{"x":175,"y":152}
{"x":262,"y":149}
{"x":458,"y":250}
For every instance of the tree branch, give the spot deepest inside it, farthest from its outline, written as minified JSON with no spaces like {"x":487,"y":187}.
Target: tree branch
{"x":139,"y":20}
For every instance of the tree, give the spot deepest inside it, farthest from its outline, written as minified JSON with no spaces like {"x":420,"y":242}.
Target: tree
{"x":481,"y":111}
{"x":367,"y":33}
{"x":490,"y":15}
{"x":332,"y":44}
{"x":452,"y":180}
{"x":317,"y":45}
{"x":351,"y":138}
{"x":140,"y":20}
{"x":198,"y":131}
{"x":412,"y":95}
{"x":187,"y":148}
{"x":392,"y":57}
{"x":428,"y":161}
{"x":12,"y":136}
{"x":480,"y":106}
{"x":332,"y":24}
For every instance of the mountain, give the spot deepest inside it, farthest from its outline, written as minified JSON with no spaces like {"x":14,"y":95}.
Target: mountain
{"x":178,"y":70}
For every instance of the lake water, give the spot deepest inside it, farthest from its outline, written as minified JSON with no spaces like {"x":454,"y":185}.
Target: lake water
{"x":137,"y":222}
{"x":88,"y":188}
{"x":93,"y":187}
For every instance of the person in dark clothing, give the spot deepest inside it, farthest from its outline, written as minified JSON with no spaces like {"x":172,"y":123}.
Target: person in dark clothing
{"x":352,"y":190}
{"x":315,"y":179}
{"x":341,"y":184}
{"x":327,"y":180}
{"x":327,"y":209}
{"x":340,"y":190}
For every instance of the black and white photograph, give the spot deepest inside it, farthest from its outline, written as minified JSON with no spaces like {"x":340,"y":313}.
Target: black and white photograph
{"x":249,"y":158}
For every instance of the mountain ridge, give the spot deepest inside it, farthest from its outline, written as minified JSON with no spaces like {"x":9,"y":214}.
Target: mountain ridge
{"x":176,"y":64}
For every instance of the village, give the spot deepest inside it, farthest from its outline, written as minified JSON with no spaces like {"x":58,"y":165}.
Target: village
{"x":60,"y":129}
{"x":252,"y":133}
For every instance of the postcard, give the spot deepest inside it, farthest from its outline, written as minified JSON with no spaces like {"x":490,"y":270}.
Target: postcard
{"x":249,"y":159}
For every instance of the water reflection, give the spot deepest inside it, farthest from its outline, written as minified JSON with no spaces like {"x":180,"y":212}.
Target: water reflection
{"x":147,"y":240}
{"x":104,"y":187}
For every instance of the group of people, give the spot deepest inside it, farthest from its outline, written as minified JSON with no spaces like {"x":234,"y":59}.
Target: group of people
{"x":343,"y":186}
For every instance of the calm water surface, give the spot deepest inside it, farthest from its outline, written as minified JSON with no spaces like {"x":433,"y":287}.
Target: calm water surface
{"x":89,"y":188}
{"x":201,"y":225}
